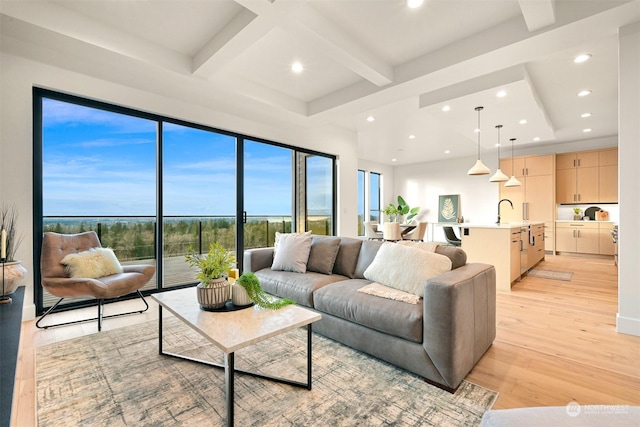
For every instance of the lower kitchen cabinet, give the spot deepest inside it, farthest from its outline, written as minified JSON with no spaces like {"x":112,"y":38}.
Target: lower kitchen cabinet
{"x":584,"y":237}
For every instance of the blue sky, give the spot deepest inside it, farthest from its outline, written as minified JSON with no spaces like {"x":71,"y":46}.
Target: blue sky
{"x":102,"y":163}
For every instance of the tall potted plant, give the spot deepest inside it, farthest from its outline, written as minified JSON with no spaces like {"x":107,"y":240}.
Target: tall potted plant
{"x":213,"y":269}
{"x":12,"y":270}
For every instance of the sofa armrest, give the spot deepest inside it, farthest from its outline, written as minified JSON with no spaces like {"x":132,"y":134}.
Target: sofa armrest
{"x":459,"y":319}
{"x":257,"y":259}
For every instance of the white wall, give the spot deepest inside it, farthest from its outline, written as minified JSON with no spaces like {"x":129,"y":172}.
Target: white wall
{"x":628,"y":320}
{"x":19,"y":75}
{"x":422,"y":184}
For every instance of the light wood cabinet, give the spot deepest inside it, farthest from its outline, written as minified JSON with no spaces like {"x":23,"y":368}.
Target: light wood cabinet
{"x":587,"y":177}
{"x":534,"y":199}
{"x":535,"y":253}
{"x":607,"y":246}
{"x":578,"y":237}
{"x":608,"y":176}
{"x":514,"y":255}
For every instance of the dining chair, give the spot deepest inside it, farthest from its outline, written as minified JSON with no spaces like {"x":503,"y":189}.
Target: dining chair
{"x":417,"y":234}
{"x":391,"y":231}
{"x":451,"y":237}
{"x":371,"y":232}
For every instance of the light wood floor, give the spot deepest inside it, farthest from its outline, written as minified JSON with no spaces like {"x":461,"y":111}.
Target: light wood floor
{"x":556,"y":343}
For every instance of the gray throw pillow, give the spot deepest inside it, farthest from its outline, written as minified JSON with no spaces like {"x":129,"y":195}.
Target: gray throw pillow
{"x":324,"y":250}
{"x":291,"y":252}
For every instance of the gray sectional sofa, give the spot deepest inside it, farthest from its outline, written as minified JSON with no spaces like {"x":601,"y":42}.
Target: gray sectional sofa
{"x":441,"y":338}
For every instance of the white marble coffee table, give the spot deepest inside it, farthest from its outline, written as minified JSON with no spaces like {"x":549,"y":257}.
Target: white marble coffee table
{"x":233,"y":330}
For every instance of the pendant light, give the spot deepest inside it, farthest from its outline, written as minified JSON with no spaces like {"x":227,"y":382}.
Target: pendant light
{"x":513,"y":182}
{"x":498,"y":176}
{"x":479,"y":168}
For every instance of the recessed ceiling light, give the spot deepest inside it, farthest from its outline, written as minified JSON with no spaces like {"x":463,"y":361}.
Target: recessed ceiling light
{"x":587,"y":130}
{"x":476,"y":130}
{"x":523,"y":121}
{"x":412,"y":137}
{"x":446,"y":108}
{"x":585,"y":115}
{"x":412,"y":4}
{"x":536,"y":139}
{"x":393,"y":160}
{"x":371,"y":119}
{"x":501,"y":94}
{"x":584,"y":92}
{"x":297,"y":67}
{"x":447,"y":151}
{"x":581,"y":58}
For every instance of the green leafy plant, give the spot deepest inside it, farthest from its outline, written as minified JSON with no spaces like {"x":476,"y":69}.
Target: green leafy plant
{"x":214,"y":265}
{"x":391,"y":211}
{"x":8,"y":221}
{"x":577,"y":211}
{"x":251,"y":284}
{"x":404,"y":209}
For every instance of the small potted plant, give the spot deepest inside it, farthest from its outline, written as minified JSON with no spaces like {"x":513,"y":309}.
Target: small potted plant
{"x":250,"y":283}
{"x":213,"y":269}
{"x":577,"y":214}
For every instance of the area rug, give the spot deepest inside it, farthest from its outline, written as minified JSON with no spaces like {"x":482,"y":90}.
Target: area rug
{"x":550,"y":274}
{"x":117,"y":378}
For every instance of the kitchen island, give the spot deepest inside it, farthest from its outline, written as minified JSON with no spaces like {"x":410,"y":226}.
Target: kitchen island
{"x":512,"y":248}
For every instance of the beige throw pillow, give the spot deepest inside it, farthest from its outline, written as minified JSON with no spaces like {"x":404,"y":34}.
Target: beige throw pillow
{"x":291,"y":252}
{"x":94,"y":263}
{"x":406,"y":268}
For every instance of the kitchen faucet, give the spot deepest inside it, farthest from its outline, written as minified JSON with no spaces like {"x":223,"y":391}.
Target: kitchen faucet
{"x":503,"y":200}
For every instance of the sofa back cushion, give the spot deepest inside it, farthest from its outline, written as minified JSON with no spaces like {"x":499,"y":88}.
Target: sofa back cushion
{"x":347,"y":258}
{"x":457,"y":256}
{"x":368,"y":252}
{"x":324,"y":250}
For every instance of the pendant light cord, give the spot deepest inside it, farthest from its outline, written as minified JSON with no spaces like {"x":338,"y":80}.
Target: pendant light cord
{"x":478,"y":109}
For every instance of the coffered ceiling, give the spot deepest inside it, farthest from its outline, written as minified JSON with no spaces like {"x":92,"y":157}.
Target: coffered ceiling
{"x":361,"y":58}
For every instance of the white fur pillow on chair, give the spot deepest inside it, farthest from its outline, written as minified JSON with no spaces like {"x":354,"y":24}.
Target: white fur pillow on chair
{"x":94,"y":263}
{"x":406,"y":268}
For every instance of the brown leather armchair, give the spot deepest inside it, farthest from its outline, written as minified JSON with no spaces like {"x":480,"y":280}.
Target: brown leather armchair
{"x":54,"y":279}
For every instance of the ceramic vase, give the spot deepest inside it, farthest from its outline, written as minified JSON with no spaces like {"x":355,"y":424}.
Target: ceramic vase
{"x":14,"y":273}
{"x":214,"y":295}
{"x":239,"y":295}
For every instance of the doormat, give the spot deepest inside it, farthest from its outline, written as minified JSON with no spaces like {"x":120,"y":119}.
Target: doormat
{"x":550,"y":274}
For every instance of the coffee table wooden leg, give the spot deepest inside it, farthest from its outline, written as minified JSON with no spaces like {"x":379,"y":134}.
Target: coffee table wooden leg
{"x":229,"y":369}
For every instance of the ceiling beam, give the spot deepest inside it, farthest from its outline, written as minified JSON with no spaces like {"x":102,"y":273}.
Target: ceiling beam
{"x":538,"y":13}
{"x":331,"y":40}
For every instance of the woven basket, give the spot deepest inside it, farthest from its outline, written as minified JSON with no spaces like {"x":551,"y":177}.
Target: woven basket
{"x":214,"y":295}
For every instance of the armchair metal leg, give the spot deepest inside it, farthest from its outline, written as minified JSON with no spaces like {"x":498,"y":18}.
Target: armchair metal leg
{"x":99,"y":318}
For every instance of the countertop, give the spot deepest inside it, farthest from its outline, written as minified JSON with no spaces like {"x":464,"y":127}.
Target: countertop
{"x":506,"y":225}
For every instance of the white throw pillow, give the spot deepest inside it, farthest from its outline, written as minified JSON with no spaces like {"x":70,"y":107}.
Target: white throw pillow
{"x":291,"y":252}
{"x":406,"y":268}
{"x":94,"y":263}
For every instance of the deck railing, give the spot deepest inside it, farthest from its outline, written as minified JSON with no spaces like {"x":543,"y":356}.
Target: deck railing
{"x":133,"y":238}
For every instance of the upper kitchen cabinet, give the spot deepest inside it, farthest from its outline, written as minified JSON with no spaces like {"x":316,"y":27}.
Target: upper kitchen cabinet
{"x":587,"y":177}
{"x":608,"y":179}
{"x":528,"y":166}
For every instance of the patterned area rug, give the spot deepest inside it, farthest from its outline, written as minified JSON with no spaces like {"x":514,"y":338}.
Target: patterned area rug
{"x":117,"y":378}
{"x":550,"y":274}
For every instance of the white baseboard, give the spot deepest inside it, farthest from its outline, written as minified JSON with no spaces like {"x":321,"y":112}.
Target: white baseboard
{"x":627,"y":325}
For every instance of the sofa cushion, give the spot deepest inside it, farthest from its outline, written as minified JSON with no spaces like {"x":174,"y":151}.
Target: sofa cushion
{"x":457,"y":256}
{"x":406,"y":268}
{"x":347,"y":256}
{"x":291,"y":252}
{"x":367,"y":253}
{"x":298,"y":287}
{"x":322,"y":257}
{"x":342,"y":299}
